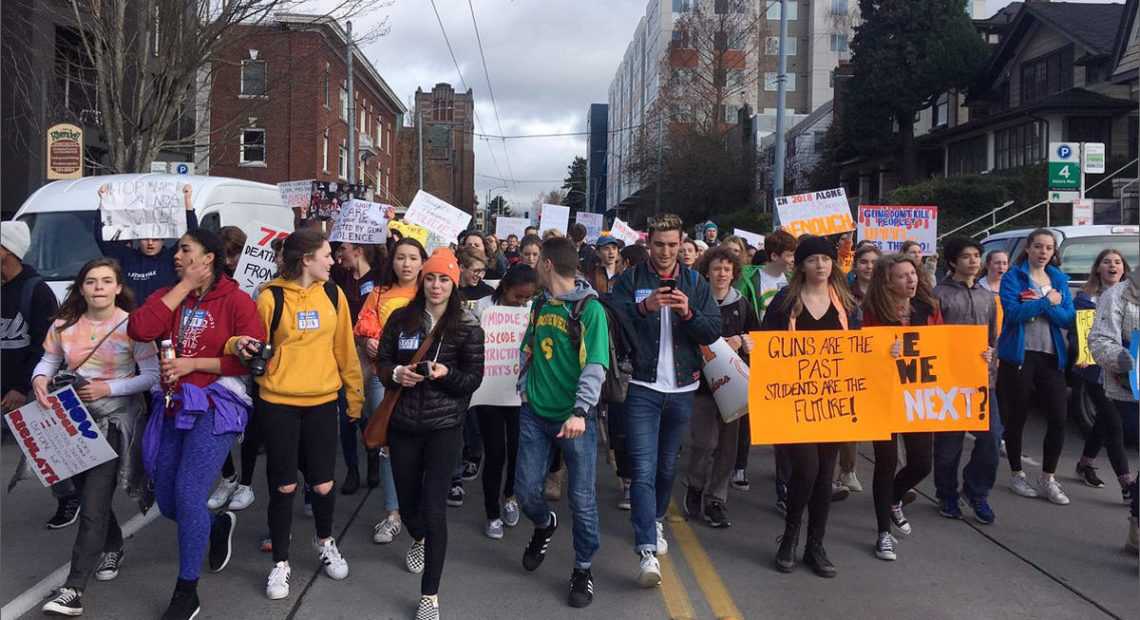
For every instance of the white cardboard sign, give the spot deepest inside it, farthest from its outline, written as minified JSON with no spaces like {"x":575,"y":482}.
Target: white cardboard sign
{"x":506,"y":226}
{"x":554,"y":217}
{"x":296,"y":194}
{"x":503,"y":330}
{"x":753,"y":239}
{"x":623,"y":231}
{"x":143,"y":209}
{"x":256,"y":266}
{"x":593,"y":224}
{"x":61,"y":440}
{"x":437,"y":216}
{"x":361,"y":222}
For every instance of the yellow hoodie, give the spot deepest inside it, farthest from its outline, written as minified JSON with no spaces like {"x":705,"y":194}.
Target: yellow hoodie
{"x":315,"y":353}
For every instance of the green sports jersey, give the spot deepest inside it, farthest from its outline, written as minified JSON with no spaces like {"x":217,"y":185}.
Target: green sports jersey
{"x":552,"y":380}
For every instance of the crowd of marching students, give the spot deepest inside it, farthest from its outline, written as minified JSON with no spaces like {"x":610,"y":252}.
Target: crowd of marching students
{"x":393,"y":331}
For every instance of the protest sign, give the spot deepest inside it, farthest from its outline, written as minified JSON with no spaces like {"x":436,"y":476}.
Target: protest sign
{"x":361,"y":222}
{"x":437,"y":216}
{"x":256,"y":266}
{"x":593,"y":224}
{"x":60,"y":440}
{"x":327,"y":198}
{"x":726,"y":376}
{"x":753,"y":239}
{"x":507,"y":226}
{"x":296,"y":195}
{"x":940,"y":382}
{"x":1134,"y":374}
{"x":503,"y":330}
{"x":419,"y":233}
{"x":817,"y":386}
{"x":622,"y":231}
{"x":144,"y":209}
{"x":554,"y":217}
{"x":1084,"y":325}
{"x":817,"y":213}
{"x":890,"y":227}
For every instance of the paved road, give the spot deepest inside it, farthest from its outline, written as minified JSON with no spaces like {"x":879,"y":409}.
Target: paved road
{"x":1039,"y":560}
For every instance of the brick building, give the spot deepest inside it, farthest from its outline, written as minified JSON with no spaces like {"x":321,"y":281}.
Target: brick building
{"x":278,"y":109}
{"x":449,"y":144}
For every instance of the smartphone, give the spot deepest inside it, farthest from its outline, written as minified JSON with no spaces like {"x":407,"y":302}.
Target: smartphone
{"x":422,"y":368}
{"x":669,"y":283}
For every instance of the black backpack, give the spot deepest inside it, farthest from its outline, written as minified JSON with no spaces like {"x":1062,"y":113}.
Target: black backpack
{"x":279,"y":304}
{"x":616,"y":382}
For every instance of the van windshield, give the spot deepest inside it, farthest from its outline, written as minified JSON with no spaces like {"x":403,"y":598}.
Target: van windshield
{"x":62,"y":242}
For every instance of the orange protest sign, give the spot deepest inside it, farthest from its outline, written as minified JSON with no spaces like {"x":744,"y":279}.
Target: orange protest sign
{"x":817,"y":386}
{"x":940,"y":382}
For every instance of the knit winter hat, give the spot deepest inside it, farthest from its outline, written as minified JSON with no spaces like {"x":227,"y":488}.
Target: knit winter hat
{"x":15,"y":237}
{"x":442,"y":260}
{"x":811,"y":245}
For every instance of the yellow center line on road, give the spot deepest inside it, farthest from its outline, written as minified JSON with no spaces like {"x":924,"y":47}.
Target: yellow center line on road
{"x":716,"y":593}
{"x":673,"y":590}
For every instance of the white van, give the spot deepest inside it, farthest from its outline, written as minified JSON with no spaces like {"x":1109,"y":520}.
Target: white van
{"x":60,"y":216}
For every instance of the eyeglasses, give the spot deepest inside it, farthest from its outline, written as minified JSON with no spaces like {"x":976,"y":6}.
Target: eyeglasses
{"x":480,"y":271}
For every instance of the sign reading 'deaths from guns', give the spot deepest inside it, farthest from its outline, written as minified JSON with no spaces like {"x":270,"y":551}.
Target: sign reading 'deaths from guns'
{"x":890,"y":227}
{"x":818,"y":213}
{"x":256,"y":266}
{"x":59,"y":440}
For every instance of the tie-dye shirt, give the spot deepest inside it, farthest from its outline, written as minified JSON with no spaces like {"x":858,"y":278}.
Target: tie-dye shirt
{"x":116,"y":357}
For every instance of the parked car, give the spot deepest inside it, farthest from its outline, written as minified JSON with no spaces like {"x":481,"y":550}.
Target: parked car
{"x":60,"y":217}
{"x":1077,"y":247}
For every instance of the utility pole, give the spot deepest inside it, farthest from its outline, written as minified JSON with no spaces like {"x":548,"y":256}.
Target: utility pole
{"x":660,"y":148}
{"x":351,"y":109}
{"x":781,"y":102}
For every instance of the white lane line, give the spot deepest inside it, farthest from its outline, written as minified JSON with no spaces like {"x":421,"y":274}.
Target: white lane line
{"x":35,"y":595}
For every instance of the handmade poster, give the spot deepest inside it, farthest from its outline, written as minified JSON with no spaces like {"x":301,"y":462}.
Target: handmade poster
{"x":419,"y":233}
{"x":593,"y":224}
{"x":256,"y":266}
{"x":554,"y":217}
{"x":503,"y":330}
{"x":361,"y":222}
{"x":327,"y":197}
{"x":890,"y":227}
{"x":817,"y":386}
{"x":940,"y":382}
{"x":818,"y":213}
{"x":753,"y":239}
{"x":507,"y":226}
{"x":437,"y":216}
{"x":622,"y":231}
{"x":1084,"y":325}
{"x":726,"y":376}
{"x":144,"y":209}
{"x":61,"y":440}
{"x":296,"y":195}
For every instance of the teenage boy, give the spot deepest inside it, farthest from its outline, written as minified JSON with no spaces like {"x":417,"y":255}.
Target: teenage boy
{"x":759,"y":285}
{"x":564,"y":359}
{"x":672,"y":313}
{"x":964,"y":302}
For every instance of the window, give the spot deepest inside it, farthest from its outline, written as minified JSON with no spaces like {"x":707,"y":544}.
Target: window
{"x":325,"y":153}
{"x":363,"y":121}
{"x":1019,"y":145}
{"x":252,"y":146}
{"x":967,"y":156}
{"x":817,"y":141}
{"x":773,"y":11}
{"x":343,"y":102}
{"x":831,"y":79}
{"x":770,"y":83}
{"x":839,"y":7}
{"x":839,"y":43}
{"x":684,"y":6}
{"x":772,"y":46}
{"x":1089,"y":129}
{"x":734,"y":79}
{"x":941,"y":114}
{"x":379,"y":132}
{"x":342,"y":162}
{"x":326,"y":87}
{"x":1046,"y":75}
{"x":253,"y":78}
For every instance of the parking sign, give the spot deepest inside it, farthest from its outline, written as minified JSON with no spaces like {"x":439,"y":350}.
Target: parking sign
{"x":1064,"y":166}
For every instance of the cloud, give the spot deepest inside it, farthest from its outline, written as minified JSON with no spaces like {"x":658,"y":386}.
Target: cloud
{"x":548,"y":61}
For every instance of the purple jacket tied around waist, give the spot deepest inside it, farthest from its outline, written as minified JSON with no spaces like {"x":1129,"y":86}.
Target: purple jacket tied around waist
{"x":230,"y":413}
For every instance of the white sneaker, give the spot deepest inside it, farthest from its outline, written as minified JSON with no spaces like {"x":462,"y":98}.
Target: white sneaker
{"x":1018,"y":484}
{"x":494,"y":529}
{"x":849,"y":480}
{"x":330,"y":557}
{"x":222,"y":494}
{"x":242,"y":498}
{"x":386,"y":530}
{"x":649,"y":574}
{"x":278,"y":585}
{"x":662,"y":544}
{"x":1050,"y":489}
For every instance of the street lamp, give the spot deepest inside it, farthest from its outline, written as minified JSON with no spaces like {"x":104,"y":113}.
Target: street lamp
{"x":487,"y":205}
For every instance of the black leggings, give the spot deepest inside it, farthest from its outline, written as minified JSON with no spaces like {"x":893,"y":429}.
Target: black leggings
{"x":422,"y":465}
{"x":1018,"y":387}
{"x":1107,"y":430}
{"x":810,"y":487}
{"x":250,"y":447}
{"x":890,"y":486}
{"x":499,"y":427}
{"x":304,"y":437}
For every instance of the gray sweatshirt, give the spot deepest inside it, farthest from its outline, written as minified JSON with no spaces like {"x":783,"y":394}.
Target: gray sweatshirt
{"x":1117,"y":316}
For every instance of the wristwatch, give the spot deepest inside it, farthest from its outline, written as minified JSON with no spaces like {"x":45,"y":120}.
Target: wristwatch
{"x":581,"y":413}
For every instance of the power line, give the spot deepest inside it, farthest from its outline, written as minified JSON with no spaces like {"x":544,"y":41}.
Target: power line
{"x":490,"y":91}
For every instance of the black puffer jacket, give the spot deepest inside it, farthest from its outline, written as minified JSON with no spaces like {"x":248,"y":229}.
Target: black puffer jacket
{"x":440,"y":403}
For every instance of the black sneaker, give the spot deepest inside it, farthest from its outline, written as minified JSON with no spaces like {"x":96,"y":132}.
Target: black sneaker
{"x":716,"y":515}
{"x":470,"y":470}
{"x":108,"y":567}
{"x":693,"y":502}
{"x":65,"y":514}
{"x":740,"y":480}
{"x":221,"y":540}
{"x":183,"y":605}
{"x":455,"y":495}
{"x":581,"y":588}
{"x":66,"y":603}
{"x":535,"y":551}
{"x":1087,"y":475}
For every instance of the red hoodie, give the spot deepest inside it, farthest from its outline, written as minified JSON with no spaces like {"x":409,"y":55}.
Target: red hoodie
{"x":225,"y":312}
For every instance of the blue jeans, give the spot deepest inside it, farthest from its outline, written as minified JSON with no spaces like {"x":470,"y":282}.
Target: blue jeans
{"x":980,"y":473}
{"x":656,"y":423}
{"x":373,"y":394}
{"x":537,"y":436}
